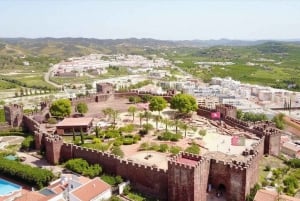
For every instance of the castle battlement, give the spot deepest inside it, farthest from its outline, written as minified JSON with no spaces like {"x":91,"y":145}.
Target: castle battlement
{"x":187,"y":160}
{"x":53,"y":138}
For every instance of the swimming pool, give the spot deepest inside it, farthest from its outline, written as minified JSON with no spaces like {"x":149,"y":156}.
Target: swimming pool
{"x":8,"y":188}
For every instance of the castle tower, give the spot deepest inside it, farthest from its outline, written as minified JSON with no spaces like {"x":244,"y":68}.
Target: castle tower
{"x":226,"y":110}
{"x":53,"y":146}
{"x":187,"y":178}
{"x":14,"y":115}
{"x":38,"y":136}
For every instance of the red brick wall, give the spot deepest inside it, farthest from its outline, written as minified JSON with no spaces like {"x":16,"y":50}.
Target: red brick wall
{"x":30,"y":124}
{"x":144,"y":178}
{"x":188,"y":183}
{"x":232,"y":178}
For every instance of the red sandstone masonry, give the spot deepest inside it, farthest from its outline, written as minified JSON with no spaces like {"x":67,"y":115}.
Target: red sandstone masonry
{"x":147,"y":179}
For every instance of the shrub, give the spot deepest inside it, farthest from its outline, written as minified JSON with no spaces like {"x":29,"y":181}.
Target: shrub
{"x":32,"y":175}
{"x":127,"y":129}
{"x":115,"y":198}
{"x":154,"y":146}
{"x":136,"y":138}
{"x":112,"y":180}
{"x":143,"y":132}
{"x":111,"y":133}
{"x":264,"y":183}
{"x":116,"y":150}
{"x":52,"y":120}
{"x":295,"y":163}
{"x":147,"y":127}
{"x":126,"y":190}
{"x":175,"y":150}
{"x":163,"y":148}
{"x":144,"y":146}
{"x":202,"y":132}
{"x":194,"y":149}
{"x":92,"y":171}
{"x":127,"y":141}
{"x":77,"y":165}
{"x":81,"y":166}
{"x":118,"y":142}
{"x":28,"y":143}
{"x":169,"y":136}
{"x":267,"y":168}
{"x":96,"y":141}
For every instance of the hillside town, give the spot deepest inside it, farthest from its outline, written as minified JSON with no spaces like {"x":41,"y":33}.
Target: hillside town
{"x":149,"y":143}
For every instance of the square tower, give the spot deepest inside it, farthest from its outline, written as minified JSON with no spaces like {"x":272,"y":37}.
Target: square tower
{"x":187,"y":177}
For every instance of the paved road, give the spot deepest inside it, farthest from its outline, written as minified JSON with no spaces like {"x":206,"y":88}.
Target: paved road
{"x":47,"y":78}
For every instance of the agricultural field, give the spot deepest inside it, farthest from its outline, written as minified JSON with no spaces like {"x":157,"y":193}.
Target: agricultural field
{"x":272,"y":64}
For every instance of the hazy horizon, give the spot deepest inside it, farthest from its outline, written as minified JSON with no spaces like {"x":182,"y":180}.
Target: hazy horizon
{"x":159,"y":19}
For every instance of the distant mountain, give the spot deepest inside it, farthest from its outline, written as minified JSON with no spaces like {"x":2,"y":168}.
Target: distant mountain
{"x":66,"y":47}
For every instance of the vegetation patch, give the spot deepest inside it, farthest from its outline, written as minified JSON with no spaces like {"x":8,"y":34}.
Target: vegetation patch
{"x":31,"y":175}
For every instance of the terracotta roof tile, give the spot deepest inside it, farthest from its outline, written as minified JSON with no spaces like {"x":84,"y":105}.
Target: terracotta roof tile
{"x":265,"y":195}
{"x":94,"y":188}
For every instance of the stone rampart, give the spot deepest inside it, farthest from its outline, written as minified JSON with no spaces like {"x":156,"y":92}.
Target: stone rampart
{"x":147,"y":179}
{"x":30,"y":124}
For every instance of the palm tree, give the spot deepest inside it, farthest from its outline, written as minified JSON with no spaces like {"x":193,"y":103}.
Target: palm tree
{"x":114,"y":115}
{"x":97,"y":131}
{"x":141,"y":116}
{"x":156,"y":118}
{"x":166,"y":122}
{"x":132,"y":110}
{"x":176,"y":123}
{"x":147,"y":115}
{"x":108,"y":112}
{"x":184,"y":126}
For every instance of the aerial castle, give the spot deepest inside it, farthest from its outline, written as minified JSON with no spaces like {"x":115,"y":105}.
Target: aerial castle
{"x":188,"y":177}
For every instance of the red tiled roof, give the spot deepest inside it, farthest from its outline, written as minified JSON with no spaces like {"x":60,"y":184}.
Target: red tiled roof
{"x":28,"y":196}
{"x":265,"y":195}
{"x":91,"y":189}
{"x":84,"y":121}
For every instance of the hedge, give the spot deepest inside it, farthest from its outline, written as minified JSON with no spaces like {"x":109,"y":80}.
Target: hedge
{"x":31,"y":175}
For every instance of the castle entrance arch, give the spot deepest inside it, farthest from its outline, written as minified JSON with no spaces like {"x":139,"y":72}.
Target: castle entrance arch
{"x":221,"y":190}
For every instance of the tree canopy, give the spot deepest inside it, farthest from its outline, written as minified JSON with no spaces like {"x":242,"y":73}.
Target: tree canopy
{"x":82,"y":108}
{"x":157,"y":103}
{"x":184,"y":103}
{"x":61,"y":108}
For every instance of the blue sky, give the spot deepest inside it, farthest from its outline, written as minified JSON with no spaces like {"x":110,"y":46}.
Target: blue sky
{"x":159,"y":19}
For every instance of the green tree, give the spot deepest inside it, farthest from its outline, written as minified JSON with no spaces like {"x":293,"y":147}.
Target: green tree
{"x":278,"y":120}
{"x":184,"y":103}
{"x":239,"y":114}
{"x":61,"y":108}
{"x":82,"y":108}
{"x":157,"y":103}
{"x":146,"y":98}
{"x":132,"y":110}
